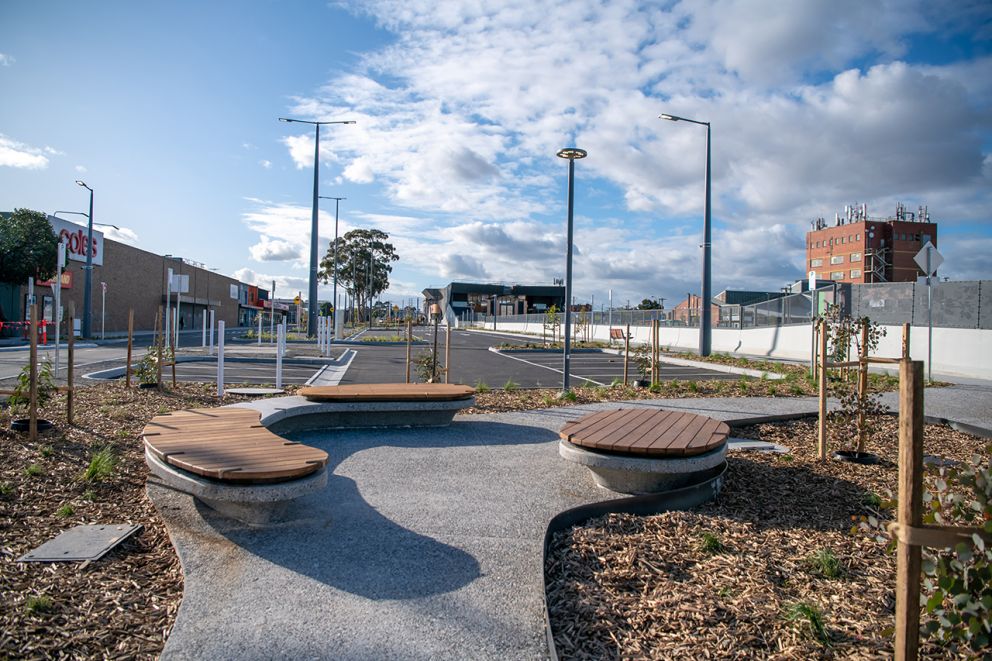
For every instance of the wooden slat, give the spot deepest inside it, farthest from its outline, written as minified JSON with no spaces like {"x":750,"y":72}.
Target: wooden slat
{"x":229,"y":445}
{"x":647,"y":432}
{"x":388,"y":392}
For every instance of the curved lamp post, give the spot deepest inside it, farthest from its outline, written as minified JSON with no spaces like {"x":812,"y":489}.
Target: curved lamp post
{"x":705,"y":322}
{"x":570,"y":153}
{"x":88,"y":280}
{"x":337,"y":203}
{"x":312,"y":303}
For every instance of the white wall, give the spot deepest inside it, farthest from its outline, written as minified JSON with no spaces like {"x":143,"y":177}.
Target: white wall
{"x":964,"y":352}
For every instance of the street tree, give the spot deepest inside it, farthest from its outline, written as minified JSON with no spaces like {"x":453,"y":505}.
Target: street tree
{"x":28,"y":247}
{"x":649,"y":304}
{"x":364,"y":264}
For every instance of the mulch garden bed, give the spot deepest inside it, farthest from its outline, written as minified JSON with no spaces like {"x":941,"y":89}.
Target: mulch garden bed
{"x":775,"y":568}
{"x":123,"y":605}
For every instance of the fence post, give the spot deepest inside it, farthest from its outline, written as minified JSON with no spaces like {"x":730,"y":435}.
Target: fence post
{"x":71,"y":367}
{"x":910,"y":508}
{"x":281,"y":331}
{"x":409,"y":338}
{"x":822,"y":426}
{"x":447,"y":353}
{"x":220,"y":359}
{"x":158,"y":346}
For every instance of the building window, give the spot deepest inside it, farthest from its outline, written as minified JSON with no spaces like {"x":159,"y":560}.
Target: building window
{"x":816,"y":262}
{"x":837,"y":275}
{"x":857,"y":237}
{"x":855,"y":257}
{"x":855,"y":273}
{"x":837,"y":259}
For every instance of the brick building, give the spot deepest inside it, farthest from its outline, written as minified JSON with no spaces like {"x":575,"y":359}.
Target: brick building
{"x":860,"y":249}
{"x":135,"y":279}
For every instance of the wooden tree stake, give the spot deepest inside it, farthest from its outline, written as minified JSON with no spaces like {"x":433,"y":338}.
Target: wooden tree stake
{"x":71,"y":371}
{"x":447,"y":353}
{"x":409,"y":339}
{"x":130,"y":344}
{"x":822,"y":428}
{"x":33,"y":389}
{"x":626,"y":356}
{"x":862,"y":385}
{"x":910,"y":508}
{"x":158,"y":345}
{"x":905,"y":341}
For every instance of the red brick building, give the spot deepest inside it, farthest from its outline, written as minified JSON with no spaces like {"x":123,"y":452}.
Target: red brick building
{"x":860,"y":249}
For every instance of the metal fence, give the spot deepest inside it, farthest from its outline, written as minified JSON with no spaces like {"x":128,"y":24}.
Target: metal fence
{"x":954,"y":305}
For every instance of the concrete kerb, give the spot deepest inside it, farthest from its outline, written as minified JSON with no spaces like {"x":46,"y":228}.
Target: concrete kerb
{"x":118,"y":372}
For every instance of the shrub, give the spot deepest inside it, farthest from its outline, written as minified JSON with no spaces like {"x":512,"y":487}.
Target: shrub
{"x":34,"y":470}
{"x":569,"y":396}
{"x":21,"y":397}
{"x":481,"y":386}
{"x":824,"y":563}
{"x":65,"y":512}
{"x":710,"y":543}
{"x":510,"y":385}
{"x":102,"y":465}
{"x":39,"y":604}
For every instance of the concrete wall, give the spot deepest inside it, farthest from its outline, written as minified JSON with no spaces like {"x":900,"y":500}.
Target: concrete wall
{"x":961,"y":352}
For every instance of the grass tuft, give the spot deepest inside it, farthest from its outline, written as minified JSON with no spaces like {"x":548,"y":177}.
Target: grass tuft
{"x":34,"y":470}
{"x":481,"y":387}
{"x":710,"y":543}
{"x":510,"y":385}
{"x":102,"y":465}
{"x":824,"y":563}
{"x":65,"y":511}
{"x":39,"y":604}
{"x":809,"y":619}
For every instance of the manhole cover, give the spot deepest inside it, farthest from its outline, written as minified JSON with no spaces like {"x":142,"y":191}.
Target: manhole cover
{"x":255,"y":391}
{"x":85,"y":542}
{"x":745,"y":444}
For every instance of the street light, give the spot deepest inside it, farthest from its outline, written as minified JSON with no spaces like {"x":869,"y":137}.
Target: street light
{"x":88,"y":280}
{"x":705,"y":312}
{"x":312,"y":303}
{"x":571,"y":153}
{"x":83,"y":213}
{"x":337,"y":202}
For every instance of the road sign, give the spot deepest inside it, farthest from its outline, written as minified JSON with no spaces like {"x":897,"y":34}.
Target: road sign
{"x":928,"y":259}
{"x":296,"y":300}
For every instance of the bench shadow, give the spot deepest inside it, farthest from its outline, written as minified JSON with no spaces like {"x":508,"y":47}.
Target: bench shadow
{"x":338,"y":538}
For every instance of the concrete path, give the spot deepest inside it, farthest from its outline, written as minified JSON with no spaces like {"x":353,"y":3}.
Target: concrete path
{"x":425,"y":544}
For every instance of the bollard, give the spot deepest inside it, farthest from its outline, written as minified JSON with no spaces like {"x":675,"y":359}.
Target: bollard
{"x":220,"y":359}
{"x":282,"y":335}
{"x":259,"y":329}
{"x":203,"y":342}
{"x":212,"y":321}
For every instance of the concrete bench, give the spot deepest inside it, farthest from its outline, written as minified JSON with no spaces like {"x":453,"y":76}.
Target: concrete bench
{"x":226,"y":459}
{"x":643,"y":450}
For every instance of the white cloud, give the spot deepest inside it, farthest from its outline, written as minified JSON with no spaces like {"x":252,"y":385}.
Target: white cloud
{"x":80,"y":169}
{"x":265,"y":164}
{"x":6,"y":60}
{"x":124,"y":235}
{"x":286,"y":286}
{"x":273,"y":250}
{"x":19,"y":155}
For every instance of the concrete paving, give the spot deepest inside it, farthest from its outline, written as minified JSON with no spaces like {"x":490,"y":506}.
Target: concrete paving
{"x":425,"y":544}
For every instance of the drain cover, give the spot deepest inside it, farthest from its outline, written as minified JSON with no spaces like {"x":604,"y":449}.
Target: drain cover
{"x":81,"y":543}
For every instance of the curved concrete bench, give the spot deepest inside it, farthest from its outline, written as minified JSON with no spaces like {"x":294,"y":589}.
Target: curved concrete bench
{"x":644,"y":451}
{"x":228,"y":460}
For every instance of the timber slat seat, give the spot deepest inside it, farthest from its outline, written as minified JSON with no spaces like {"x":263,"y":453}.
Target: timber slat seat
{"x":228,"y":444}
{"x":647,"y":432}
{"x":388,"y":392}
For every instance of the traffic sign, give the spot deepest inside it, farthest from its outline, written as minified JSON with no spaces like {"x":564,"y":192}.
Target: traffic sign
{"x":928,"y":259}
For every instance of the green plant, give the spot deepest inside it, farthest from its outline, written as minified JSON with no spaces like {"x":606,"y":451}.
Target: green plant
{"x":568,"y":396}
{"x":742,"y":385}
{"x":824,"y":563}
{"x":6,"y":489}
{"x":38,"y":604}
{"x":693,"y":387}
{"x":616,"y":382}
{"x":89,"y":495}
{"x":65,"y":511}
{"x":46,"y":451}
{"x":44,"y":385}
{"x":725,"y":592}
{"x":710,"y":543}
{"x":147,"y":368}
{"x":641,"y":358}
{"x":426,"y":366}
{"x":809,"y":619}
{"x":655,"y":388}
{"x":548,"y":400}
{"x":34,"y":470}
{"x":856,"y":420}
{"x":101,"y":466}
{"x":510,"y":386}
{"x":481,"y":387}
{"x":872,"y":499}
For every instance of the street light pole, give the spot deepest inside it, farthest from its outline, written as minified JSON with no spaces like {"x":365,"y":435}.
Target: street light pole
{"x":337,"y":202}
{"x":570,"y":153}
{"x":88,"y":280}
{"x":312,"y":292}
{"x":705,"y":321}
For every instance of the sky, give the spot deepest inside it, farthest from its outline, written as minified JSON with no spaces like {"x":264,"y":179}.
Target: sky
{"x":169,"y":111}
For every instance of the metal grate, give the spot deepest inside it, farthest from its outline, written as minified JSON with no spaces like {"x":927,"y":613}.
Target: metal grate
{"x":84,"y":542}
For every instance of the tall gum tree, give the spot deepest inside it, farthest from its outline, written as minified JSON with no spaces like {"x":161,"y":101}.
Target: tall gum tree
{"x":28,"y":248}
{"x":364,"y":265}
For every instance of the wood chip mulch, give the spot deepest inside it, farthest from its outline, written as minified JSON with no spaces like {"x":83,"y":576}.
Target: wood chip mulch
{"x":123,"y":605}
{"x":721,"y":581}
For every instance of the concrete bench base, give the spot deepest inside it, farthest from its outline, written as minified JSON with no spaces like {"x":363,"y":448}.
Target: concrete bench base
{"x":636,"y":475}
{"x":255,"y":504}
{"x":283,"y":415}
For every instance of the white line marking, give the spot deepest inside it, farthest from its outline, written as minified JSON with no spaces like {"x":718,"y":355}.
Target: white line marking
{"x":571,"y":374}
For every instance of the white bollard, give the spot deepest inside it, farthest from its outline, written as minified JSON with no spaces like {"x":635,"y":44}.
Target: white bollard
{"x":320,"y":335}
{"x":282,"y":335}
{"x":203,"y":343}
{"x":220,"y":359}
{"x":259,"y":328}
{"x":338,"y":321}
{"x":213,"y":316}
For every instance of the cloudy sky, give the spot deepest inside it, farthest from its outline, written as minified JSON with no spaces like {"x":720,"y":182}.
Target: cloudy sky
{"x":169,"y":111}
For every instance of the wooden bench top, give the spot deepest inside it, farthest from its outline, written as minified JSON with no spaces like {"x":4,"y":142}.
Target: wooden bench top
{"x":617,"y":334}
{"x":388,"y":392}
{"x":647,"y":432}
{"x":228,"y":444}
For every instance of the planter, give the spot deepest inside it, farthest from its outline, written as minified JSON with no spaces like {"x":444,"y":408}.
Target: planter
{"x":641,"y":383}
{"x":24,"y":424}
{"x":148,"y":385}
{"x":855,"y":457}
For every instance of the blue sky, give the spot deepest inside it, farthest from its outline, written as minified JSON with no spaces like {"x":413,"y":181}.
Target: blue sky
{"x":169,"y":111}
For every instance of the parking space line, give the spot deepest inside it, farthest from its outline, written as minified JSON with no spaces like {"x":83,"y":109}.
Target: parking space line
{"x":571,"y":373}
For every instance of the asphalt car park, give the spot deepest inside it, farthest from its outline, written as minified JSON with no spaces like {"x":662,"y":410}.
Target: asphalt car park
{"x":241,"y":372}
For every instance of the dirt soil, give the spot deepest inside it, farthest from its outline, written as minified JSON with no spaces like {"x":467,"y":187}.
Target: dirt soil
{"x":775,"y":568}
{"x":123,"y":605}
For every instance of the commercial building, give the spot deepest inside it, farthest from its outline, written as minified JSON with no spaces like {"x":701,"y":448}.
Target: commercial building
{"x":127,"y":278}
{"x":861,"y":249}
{"x":465,"y":299}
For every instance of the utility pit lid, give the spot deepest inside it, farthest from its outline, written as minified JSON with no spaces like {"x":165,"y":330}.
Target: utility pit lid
{"x":84,"y":542}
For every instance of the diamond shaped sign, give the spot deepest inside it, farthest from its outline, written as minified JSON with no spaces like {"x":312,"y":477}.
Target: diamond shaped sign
{"x":928,"y":259}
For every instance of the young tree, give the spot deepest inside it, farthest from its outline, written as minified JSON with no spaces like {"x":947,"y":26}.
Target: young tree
{"x":364,"y":258}
{"x":28,"y":247}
